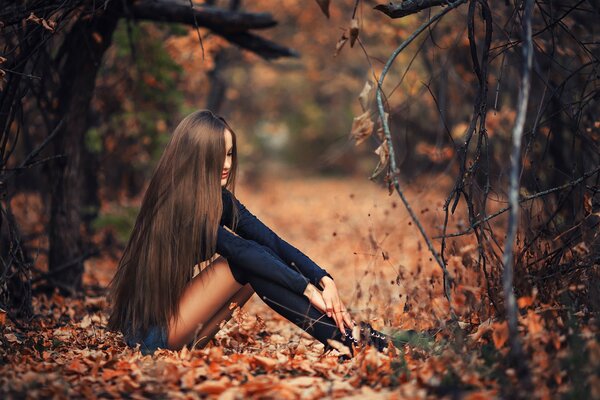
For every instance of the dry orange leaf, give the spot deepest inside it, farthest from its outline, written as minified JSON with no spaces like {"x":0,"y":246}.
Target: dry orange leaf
{"x":500,"y":334}
{"x":482,"y":329}
{"x":533,"y":322}
{"x":77,"y":367}
{"x":211,"y":387}
{"x":109,"y":374}
{"x":266,"y":362}
{"x":524,"y":301}
{"x":189,"y":379}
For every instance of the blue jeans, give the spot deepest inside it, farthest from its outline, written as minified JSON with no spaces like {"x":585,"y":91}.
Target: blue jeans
{"x":294,"y":307}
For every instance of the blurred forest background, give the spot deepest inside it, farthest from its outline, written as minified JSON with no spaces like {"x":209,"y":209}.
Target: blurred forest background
{"x":90,"y":92}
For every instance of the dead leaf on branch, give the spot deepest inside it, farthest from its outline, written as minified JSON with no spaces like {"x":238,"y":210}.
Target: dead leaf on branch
{"x":340,"y":43}
{"x":324,"y":5}
{"x":365,"y":97}
{"x":48,"y":25}
{"x":362,"y":128}
{"x":351,"y":34}
{"x":353,"y":31}
{"x":383,"y":152}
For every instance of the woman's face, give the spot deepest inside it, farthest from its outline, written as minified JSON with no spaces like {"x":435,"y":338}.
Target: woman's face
{"x":228,"y":156}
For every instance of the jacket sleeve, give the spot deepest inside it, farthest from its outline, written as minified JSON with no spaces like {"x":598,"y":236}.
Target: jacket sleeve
{"x":250,"y":227}
{"x":251,"y":256}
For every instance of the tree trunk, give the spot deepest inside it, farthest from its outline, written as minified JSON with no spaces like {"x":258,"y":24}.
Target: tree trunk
{"x":218,"y":86}
{"x":78,"y":62}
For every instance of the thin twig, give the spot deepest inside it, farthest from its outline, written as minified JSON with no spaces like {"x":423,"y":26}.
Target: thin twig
{"x":388,"y":136}
{"x":522,"y":200}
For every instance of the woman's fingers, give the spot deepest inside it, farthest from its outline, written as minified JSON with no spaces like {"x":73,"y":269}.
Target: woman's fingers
{"x":333,"y":308}
{"x":339,"y":319}
{"x":347,"y":318}
{"x":316,"y":299}
{"x":328,"y":306}
{"x":320,"y":302}
{"x":336,"y":314}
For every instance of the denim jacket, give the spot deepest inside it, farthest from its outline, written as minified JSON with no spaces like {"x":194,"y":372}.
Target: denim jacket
{"x":246,"y":252}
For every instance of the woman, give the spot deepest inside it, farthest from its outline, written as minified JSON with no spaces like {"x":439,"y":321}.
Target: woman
{"x":156,"y":299}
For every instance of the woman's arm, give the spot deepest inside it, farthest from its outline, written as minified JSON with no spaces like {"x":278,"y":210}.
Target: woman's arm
{"x":250,"y":227}
{"x":249,"y":255}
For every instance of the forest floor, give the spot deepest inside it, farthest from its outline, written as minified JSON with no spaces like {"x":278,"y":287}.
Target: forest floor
{"x":385,"y":275}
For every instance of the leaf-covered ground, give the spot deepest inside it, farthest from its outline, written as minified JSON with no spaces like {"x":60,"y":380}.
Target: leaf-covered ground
{"x":385,"y":275}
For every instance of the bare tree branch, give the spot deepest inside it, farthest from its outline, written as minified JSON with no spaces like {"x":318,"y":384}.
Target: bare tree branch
{"x":522,"y":200}
{"x":231,"y":25}
{"x":388,"y":137}
{"x":510,"y":303}
{"x":408,"y":7}
{"x":224,"y":21}
{"x":261,"y":46}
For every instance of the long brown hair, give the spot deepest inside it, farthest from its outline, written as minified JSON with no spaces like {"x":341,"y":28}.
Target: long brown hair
{"x":176,"y":227}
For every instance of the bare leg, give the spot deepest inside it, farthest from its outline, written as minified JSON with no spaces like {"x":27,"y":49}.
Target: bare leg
{"x":203,"y":299}
{"x":212,"y":326}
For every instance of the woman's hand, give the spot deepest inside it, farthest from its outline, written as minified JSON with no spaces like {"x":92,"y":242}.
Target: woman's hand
{"x":329,"y":302}
{"x":315,"y":297}
{"x":334,"y":306}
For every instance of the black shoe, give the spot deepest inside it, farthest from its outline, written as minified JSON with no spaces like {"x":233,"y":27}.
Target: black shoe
{"x":367,"y":336}
{"x":373,"y":337}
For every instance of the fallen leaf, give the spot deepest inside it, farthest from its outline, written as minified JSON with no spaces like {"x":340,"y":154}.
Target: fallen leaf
{"x":11,"y":337}
{"x":85,"y":322}
{"x":524,"y":301}
{"x":339,"y":346}
{"x":304,"y":381}
{"x":500,"y":334}
{"x":109,"y":374}
{"x":211,"y":387}
{"x":77,"y":367}
{"x":266,"y":362}
{"x":482,"y":329}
